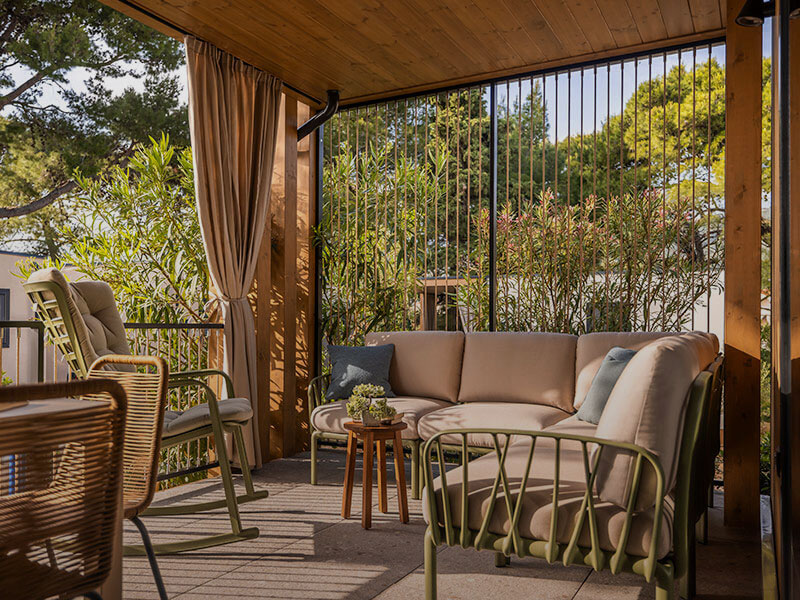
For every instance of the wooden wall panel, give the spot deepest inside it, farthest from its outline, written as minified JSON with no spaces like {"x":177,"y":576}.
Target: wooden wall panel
{"x":289,"y":292}
{"x":304,"y":337}
{"x":277,"y":274}
{"x":742,"y":271}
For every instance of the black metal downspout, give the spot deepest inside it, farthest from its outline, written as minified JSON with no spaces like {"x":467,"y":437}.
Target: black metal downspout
{"x":493,"y":208}
{"x":321,"y":117}
{"x":317,"y":364}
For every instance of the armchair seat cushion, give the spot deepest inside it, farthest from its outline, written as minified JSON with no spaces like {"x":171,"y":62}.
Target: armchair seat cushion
{"x":492,"y":415}
{"x":332,"y":416}
{"x":231,"y":410}
{"x":537,"y":507}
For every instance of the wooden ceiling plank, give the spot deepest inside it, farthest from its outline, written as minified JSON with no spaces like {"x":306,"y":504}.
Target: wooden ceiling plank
{"x":375,"y":46}
{"x":458,"y":45}
{"x":461,"y":28}
{"x":677,"y":17}
{"x":284,"y":25}
{"x":620,"y":22}
{"x":383,"y":27}
{"x":647,"y":16}
{"x":505,"y":26}
{"x":592,"y":22}
{"x":308,"y":80}
{"x":492,"y":44}
{"x":705,"y":14}
{"x":563,"y":26}
{"x":534,"y":22}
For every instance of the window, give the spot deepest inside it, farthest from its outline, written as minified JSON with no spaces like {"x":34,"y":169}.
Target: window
{"x":5,"y":313}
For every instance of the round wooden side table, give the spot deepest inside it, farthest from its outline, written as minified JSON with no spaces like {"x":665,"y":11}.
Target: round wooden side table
{"x":368,"y":436}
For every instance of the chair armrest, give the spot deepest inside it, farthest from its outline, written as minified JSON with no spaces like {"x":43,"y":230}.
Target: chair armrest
{"x":316,"y":390}
{"x":189,"y":378}
{"x":441,"y":512}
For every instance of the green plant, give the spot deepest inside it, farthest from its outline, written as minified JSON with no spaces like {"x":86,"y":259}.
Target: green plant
{"x":140,"y":234}
{"x":357,"y":406}
{"x":381,"y":410}
{"x":635,"y":262}
{"x":369,"y":390}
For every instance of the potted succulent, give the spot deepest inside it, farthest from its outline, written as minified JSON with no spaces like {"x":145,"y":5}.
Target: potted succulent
{"x":368,"y":404}
{"x":382,"y":412}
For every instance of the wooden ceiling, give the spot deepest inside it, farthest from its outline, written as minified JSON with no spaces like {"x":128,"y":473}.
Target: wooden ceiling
{"x":370,"y":49}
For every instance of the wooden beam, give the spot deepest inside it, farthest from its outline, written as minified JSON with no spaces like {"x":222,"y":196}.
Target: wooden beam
{"x":742,"y":271}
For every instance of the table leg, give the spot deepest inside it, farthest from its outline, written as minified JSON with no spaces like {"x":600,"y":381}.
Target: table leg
{"x":383,"y":503}
{"x":349,"y":474}
{"x":400,"y":477}
{"x":366,"y":481}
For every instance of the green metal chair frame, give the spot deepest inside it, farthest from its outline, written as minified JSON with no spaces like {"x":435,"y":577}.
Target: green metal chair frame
{"x":678,"y":564}
{"x":316,"y":397}
{"x":55,"y":315}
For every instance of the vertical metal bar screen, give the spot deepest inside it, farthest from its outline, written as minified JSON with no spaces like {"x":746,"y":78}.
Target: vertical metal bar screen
{"x":577,"y":200}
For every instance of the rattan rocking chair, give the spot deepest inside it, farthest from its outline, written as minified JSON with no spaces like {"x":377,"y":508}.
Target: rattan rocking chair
{"x":60,"y":480}
{"x":82,"y":321}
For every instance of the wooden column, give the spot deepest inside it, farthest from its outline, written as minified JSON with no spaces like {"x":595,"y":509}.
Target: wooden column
{"x":284,"y":292}
{"x":742,"y":270}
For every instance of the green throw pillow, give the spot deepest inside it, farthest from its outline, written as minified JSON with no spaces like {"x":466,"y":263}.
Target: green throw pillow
{"x":354,"y":365}
{"x":611,"y":368}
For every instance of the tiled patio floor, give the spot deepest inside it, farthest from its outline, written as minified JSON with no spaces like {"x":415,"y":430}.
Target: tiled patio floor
{"x":306,"y":550}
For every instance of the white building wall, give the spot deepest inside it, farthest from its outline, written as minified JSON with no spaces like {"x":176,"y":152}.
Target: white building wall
{"x":19,"y":360}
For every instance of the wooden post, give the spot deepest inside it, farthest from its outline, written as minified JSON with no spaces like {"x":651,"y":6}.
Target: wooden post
{"x":285,"y":292}
{"x":742,"y":270}
{"x":288,"y":411}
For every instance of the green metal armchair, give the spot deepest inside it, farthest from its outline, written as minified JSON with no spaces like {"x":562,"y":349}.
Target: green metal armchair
{"x":82,"y":321}
{"x":535,"y":496}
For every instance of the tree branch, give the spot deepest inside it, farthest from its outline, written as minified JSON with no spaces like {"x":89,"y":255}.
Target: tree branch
{"x":39,"y":203}
{"x":56,"y":193}
{"x":10,"y":97}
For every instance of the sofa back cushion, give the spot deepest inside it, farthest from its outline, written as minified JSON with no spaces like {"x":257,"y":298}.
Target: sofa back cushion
{"x":593,"y":348}
{"x":536,"y":368}
{"x":647,"y":407}
{"x":425,"y":364}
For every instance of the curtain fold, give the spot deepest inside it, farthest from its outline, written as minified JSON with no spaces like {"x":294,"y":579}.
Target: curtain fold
{"x":233,"y":119}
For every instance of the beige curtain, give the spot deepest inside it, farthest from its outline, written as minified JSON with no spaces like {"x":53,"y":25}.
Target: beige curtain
{"x":233,"y":117}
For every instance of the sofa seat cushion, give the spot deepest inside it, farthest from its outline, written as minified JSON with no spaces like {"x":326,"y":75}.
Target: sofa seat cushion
{"x":425,"y":364}
{"x":573,"y":426}
{"x":231,"y":410}
{"x":593,"y":347}
{"x":534,"y":368}
{"x":535,"y":518}
{"x":332,"y":416}
{"x":491,"y":415}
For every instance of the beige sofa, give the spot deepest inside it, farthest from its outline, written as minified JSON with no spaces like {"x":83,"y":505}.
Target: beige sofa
{"x":451,"y":380}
